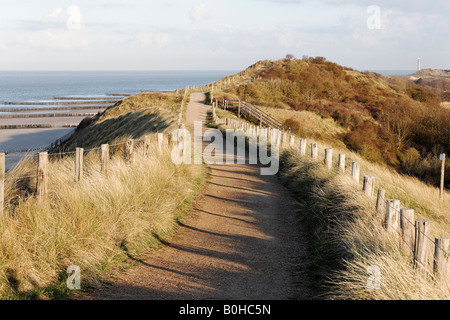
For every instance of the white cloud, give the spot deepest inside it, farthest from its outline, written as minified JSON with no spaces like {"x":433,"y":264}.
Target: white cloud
{"x":161,"y":40}
{"x":74,"y":19}
{"x":200,"y":12}
{"x":2,"y":39}
{"x":366,"y":39}
{"x":224,"y":29}
{"x":286,"y":39}
{"x":153,"y":39}
{"x":55,"y":13}
{"x":54,"y":39}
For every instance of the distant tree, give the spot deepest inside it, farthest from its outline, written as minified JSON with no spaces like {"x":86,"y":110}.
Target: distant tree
{"x":289,"y":56}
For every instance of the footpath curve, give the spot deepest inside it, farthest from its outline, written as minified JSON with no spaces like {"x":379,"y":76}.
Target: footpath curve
{"x":243,"y":241}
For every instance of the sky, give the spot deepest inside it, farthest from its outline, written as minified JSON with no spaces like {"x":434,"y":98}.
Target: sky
{"x":221,"y":34}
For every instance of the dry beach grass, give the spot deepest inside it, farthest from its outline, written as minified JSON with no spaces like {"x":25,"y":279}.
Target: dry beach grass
{"x":96,"y":222}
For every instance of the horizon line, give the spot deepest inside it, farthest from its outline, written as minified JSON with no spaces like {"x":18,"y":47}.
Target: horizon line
{"x":169,"y":70}
{"x":119,"y":70}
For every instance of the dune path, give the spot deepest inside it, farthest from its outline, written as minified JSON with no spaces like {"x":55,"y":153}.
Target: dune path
{"x":242,"y":241}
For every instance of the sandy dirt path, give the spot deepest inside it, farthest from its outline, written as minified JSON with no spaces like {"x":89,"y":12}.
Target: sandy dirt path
{"x":243,"y":241}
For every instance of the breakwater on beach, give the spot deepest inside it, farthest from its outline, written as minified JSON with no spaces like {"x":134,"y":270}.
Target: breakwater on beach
{"x":30,"y":126}
{"x":40,"y":108}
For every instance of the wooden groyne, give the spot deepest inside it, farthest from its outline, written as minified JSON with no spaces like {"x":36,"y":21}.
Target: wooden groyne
{"x":43,"y":103}
{"x":25,"y":126}
{"x":89,"y":98}
{"x":53,"y":108}
{"x":46,"y":115}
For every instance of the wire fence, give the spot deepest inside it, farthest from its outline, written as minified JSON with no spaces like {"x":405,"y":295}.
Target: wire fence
{"x":416,"y":245}
{"x":35,"y":156}
{"x":440,"y":268}
{"x":34,"y":153}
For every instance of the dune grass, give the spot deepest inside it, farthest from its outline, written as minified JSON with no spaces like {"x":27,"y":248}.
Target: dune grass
{"x":99,"y":222}
{"x":348,"y":237}
{"x":94,"y":224}
{"x":385,"y":119}
{"x":133,"y":116}
{"x":309,"y":124}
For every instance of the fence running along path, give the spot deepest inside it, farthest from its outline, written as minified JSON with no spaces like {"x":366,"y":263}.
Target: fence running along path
{"x":245,"y":108}
{"x":43,"y":173}
{"x":414,"y":233}
{"x":43,"y":158}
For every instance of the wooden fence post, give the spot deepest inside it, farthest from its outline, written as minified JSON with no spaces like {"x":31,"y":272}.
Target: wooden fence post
{"x":369,"y":185}
{"x":239,"y":109}
{"x":328,"y":158}
{"x":422,"y":231}
{"x":441,"y":265}
{"x":169,"y":139}
{"x":2,"y":182}
{"x":302,"y":147}
{"x":441,"y":189}
{"x":182,"y":138}
{"x":407,"y":227}
{"x":104,"y":159}
{"x":79,"y":152}
{"x":380,"y":200}
{"x":160,"y":140}
{"x":392,"y":215}
{"x":341,"y":162}
{"x":284,"y":138}
{"x":314,"y":151}
{"x":146,"y":146}
{"x":355,"y":170}
{"x":42,"y":178}
{"x":262,"y":134}
{"x":291,"y":141}
{"x":128,"y":155}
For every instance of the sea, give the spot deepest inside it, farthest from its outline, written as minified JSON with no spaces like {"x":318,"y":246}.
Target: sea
{"x":46,"y":85}
{"x":34,"y":92}
{"x":393,"y":72}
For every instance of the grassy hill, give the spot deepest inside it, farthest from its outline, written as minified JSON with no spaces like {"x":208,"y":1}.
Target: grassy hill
{"x":434,"y":80}
{"x":347,"y":237}
{"x":385,"y":119}
{"x":99,"y":222}
{"x":131,"y":117}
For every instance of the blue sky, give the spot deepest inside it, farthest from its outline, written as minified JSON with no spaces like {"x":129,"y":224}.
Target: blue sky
{"x":221,"y":34}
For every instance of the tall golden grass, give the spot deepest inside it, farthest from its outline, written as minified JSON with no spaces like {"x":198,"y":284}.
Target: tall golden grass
{"x":133,"y":116}
{"x":93,"y":224}
{"x":348,"y":236}
{"x":101,"y":220}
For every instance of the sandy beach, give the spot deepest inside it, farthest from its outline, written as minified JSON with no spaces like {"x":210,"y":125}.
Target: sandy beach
{"x":17,"y":143}
{"x":13,"y":140}
{"x":54,"y":121}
